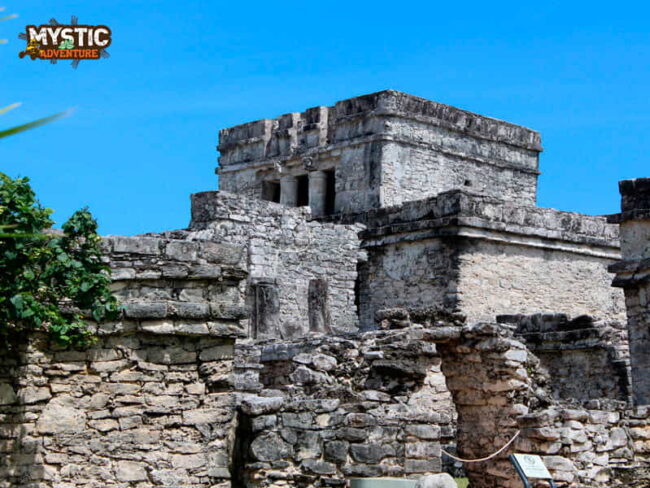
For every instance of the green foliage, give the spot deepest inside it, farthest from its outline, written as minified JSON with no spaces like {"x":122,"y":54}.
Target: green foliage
{"x":49,"y":281}
{"x":29,"y":125}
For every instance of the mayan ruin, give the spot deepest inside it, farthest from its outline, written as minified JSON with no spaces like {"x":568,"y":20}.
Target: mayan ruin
{"x":371,"y":288}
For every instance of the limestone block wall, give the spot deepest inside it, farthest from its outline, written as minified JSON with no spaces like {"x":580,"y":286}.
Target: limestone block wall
{"x":500,"y":387}
{"x":179,"y":286}
{"x":584,"y":446}
{"x":322,"y":410}
{"x":152,"y":402}
{"x":386,"y":148}
{"x":369,"y":405}
{"x":588,"y":359}
{"x":414,"y":274}
{"x":483,"y":257}
{"x":487,"y":372}
{"x":633,"y":275}
{"x":506,"y":277}
{"x":425,"y":160}
{"x":310,"y":265}
{"x":135,"y":410}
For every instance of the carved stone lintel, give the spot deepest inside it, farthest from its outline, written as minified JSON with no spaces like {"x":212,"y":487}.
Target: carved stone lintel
{"x":308,"y":163}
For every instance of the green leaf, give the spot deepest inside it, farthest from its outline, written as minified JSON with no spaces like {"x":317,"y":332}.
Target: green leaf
{"x":18,"y":301}
{"x":40,"y":273}
{"x":32,"y":125}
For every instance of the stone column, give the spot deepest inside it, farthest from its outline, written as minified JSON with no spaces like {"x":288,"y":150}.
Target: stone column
{"x":289,"y":191}
{"x":633,"y":275}
{"x":317,"y":192}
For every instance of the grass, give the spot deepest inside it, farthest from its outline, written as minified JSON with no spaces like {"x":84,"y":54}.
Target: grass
{"x":462,"y":482}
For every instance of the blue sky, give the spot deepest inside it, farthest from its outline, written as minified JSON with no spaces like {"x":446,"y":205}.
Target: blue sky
{"x":143,"y":135}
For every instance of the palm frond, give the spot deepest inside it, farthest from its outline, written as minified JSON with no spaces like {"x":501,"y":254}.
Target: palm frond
{"x":103,"y":53}
{"x":9,"y":107}
{"x":53,"y":21}
{"x":32,"y":125}
{"x":23,"y":36}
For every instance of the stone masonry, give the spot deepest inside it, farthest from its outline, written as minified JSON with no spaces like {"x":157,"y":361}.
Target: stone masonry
{"x":372,"y":286}
{"x":301,"y":272}
{"x":633,"y":275}
{"x":484,"y":256}
{"x":152,"y":403}
{"x":384,"y":148}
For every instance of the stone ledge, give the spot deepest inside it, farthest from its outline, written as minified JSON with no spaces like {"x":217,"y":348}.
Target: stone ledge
{"x":164,"y":327}
{"x":264,"y":161}
{"x":458,"y":208}
{"x":178,"y":250}
{"x":184,"y":310}
{"x":290,"y":133}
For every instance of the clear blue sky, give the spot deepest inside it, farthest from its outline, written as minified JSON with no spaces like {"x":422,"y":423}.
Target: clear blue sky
{"x":144,"y":132}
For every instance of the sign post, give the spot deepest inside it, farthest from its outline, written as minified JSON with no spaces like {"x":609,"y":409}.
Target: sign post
{"x":531,"y":466}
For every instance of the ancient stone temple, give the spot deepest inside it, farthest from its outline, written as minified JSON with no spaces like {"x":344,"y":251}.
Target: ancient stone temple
{"x":372,"y":285}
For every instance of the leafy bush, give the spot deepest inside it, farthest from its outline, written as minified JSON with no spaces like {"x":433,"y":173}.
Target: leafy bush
{"x":49,"y":281}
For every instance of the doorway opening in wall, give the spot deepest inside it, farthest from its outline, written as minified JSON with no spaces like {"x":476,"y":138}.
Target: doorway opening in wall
{"x":271,"y":191}
{"x":303,"y":191}
{"x":330,"y":192}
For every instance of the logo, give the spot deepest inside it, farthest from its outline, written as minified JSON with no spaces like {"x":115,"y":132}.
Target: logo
{"x":73,"y":41}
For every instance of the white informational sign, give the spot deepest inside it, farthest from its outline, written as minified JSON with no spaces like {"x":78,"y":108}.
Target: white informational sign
{"x":532,"y":466}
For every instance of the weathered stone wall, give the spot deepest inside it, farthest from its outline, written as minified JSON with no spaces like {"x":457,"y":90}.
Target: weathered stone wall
{"x":368,"y":405}
{"x":586,"y":446}
{"x":373,"y":404}
{"x":152,"y":402}
{"x":487,"y":372}
{"x":588,"y":359}
{"x":289,"y":253}
{"x":135,"y":410}
{"x":177,"y":286}
{"x":408,"y":274}
{"x":386,"y":148}
{"x":633,"y":275}
{"x":483,"y":257}
{"x":499,"y":388}
{"x":502,"y":277}
{"x":426,"y":160}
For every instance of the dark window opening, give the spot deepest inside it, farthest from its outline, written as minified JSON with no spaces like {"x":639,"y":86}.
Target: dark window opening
{"x":271,"y":191}
{"x":303,"y":191}
{"x":468,"y":183}
{"x":330,"y":192}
